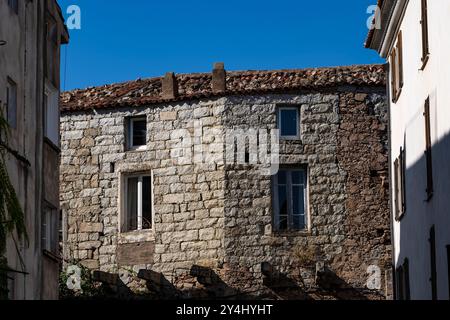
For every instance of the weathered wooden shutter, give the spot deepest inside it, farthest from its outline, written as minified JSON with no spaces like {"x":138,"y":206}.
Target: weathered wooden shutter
{"x":400,"y":283}
{"x":402,"y":164}
{"x":428,"y":157}
{"x":396,"y":189}
{"x":400,"y":60}
{"x":407,"y":293}
{"x":424,"y":22}
{"x":433,"y":275}
{"x":394,"y":75}
{"x":448,"y":269}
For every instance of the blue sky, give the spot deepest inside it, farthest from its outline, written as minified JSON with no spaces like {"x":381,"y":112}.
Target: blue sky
{"x":125,"y":40}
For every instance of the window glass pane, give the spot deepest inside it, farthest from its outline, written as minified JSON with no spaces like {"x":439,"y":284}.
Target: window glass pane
{"x":283,"y":225}
{"x":139,"y":133}
{"x":282,"y":200}
{"x":282,"y":177}
{"x":299,"y":222}
{"x":288,"y":122}
{"x":298,"y":200}
{"x":132,"y":196}
{"x":298,"y":177}
{"x":146,"y":203}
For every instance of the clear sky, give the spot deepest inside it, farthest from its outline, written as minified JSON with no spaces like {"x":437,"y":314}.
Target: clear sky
{"x":124,"y":40}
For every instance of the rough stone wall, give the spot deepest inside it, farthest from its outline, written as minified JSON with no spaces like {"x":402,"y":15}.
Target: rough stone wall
{"x":343,"y":144}
{"x":188,"y":199}
{"x":220,"y":216}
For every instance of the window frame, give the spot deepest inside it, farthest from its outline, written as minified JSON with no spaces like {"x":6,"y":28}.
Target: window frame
{"x":280,"y":108}
{"x":130,"y":134}
{"x":50,"y":229}
{"x":289,"y":187}
{"x":51,"y":98}
{"x":123,"y":227}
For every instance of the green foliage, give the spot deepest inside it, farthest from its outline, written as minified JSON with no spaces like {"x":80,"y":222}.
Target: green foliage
{"x":89,"y":288}
{"x":11,"y":214}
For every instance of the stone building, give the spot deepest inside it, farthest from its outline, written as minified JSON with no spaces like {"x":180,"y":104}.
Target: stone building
{"x":168,"y":182}
{"x":31,"y":35}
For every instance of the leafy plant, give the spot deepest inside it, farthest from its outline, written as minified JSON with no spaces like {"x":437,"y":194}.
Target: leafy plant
{"x":88,"y":287}
{"x":307,"y":256}
{"x":11,"y":214}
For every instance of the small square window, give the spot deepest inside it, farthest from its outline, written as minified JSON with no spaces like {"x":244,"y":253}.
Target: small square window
{"x":137,"y":133}
{"x":288,"y":122}
{"x":137,"y":210}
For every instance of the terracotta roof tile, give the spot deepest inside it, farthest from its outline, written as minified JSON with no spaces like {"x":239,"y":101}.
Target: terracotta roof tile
{"x":143,"y":92}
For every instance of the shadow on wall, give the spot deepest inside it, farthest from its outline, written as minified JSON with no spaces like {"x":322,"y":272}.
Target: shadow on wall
{"x":415,"y":253}
{"x":204,"y":283}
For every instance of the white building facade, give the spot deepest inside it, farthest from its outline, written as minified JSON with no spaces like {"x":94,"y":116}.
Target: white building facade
{"x":31,"y":35}
{"x":413,"y":37}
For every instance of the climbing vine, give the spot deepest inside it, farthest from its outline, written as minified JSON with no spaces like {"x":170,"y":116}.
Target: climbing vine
{"x":11,"y":214}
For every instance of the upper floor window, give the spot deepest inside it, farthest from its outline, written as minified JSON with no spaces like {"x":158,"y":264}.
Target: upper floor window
{"x":289,"y":122}
{"x":14,"y":5}
{"x":52,"y":50}
{"x":11,"y":103}
{"x":289,"y":202}
{"x":50,"y":230}
{"x":424,"y":24}
{"x":137,"y":204}
{"x":399,"y":185}
{"x":137,"y":133}
{"x":51,"y":114}
{"x":397,"y":68}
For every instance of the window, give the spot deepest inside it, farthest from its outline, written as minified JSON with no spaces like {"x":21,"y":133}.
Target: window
{"x":289,"y":189}
{"x":428,"y":158}
{"x":137,"y":206}
{"x":52,"y":49}
{"x":397,"y":68}
{"x":402,"y":281}
{"x":14,"y":5}
{"x":137,"y":133}
{"x":424,"y":23}
{"x":51,"y":114}
{"x":288,"y":122}
{"x":433,"y":274}
{"x":11,"y":103}
{"x":399,"y":185}
{"x":50,"y":229}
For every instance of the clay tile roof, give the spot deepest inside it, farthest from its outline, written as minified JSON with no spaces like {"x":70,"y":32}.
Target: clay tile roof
{"x":143,"y":92}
